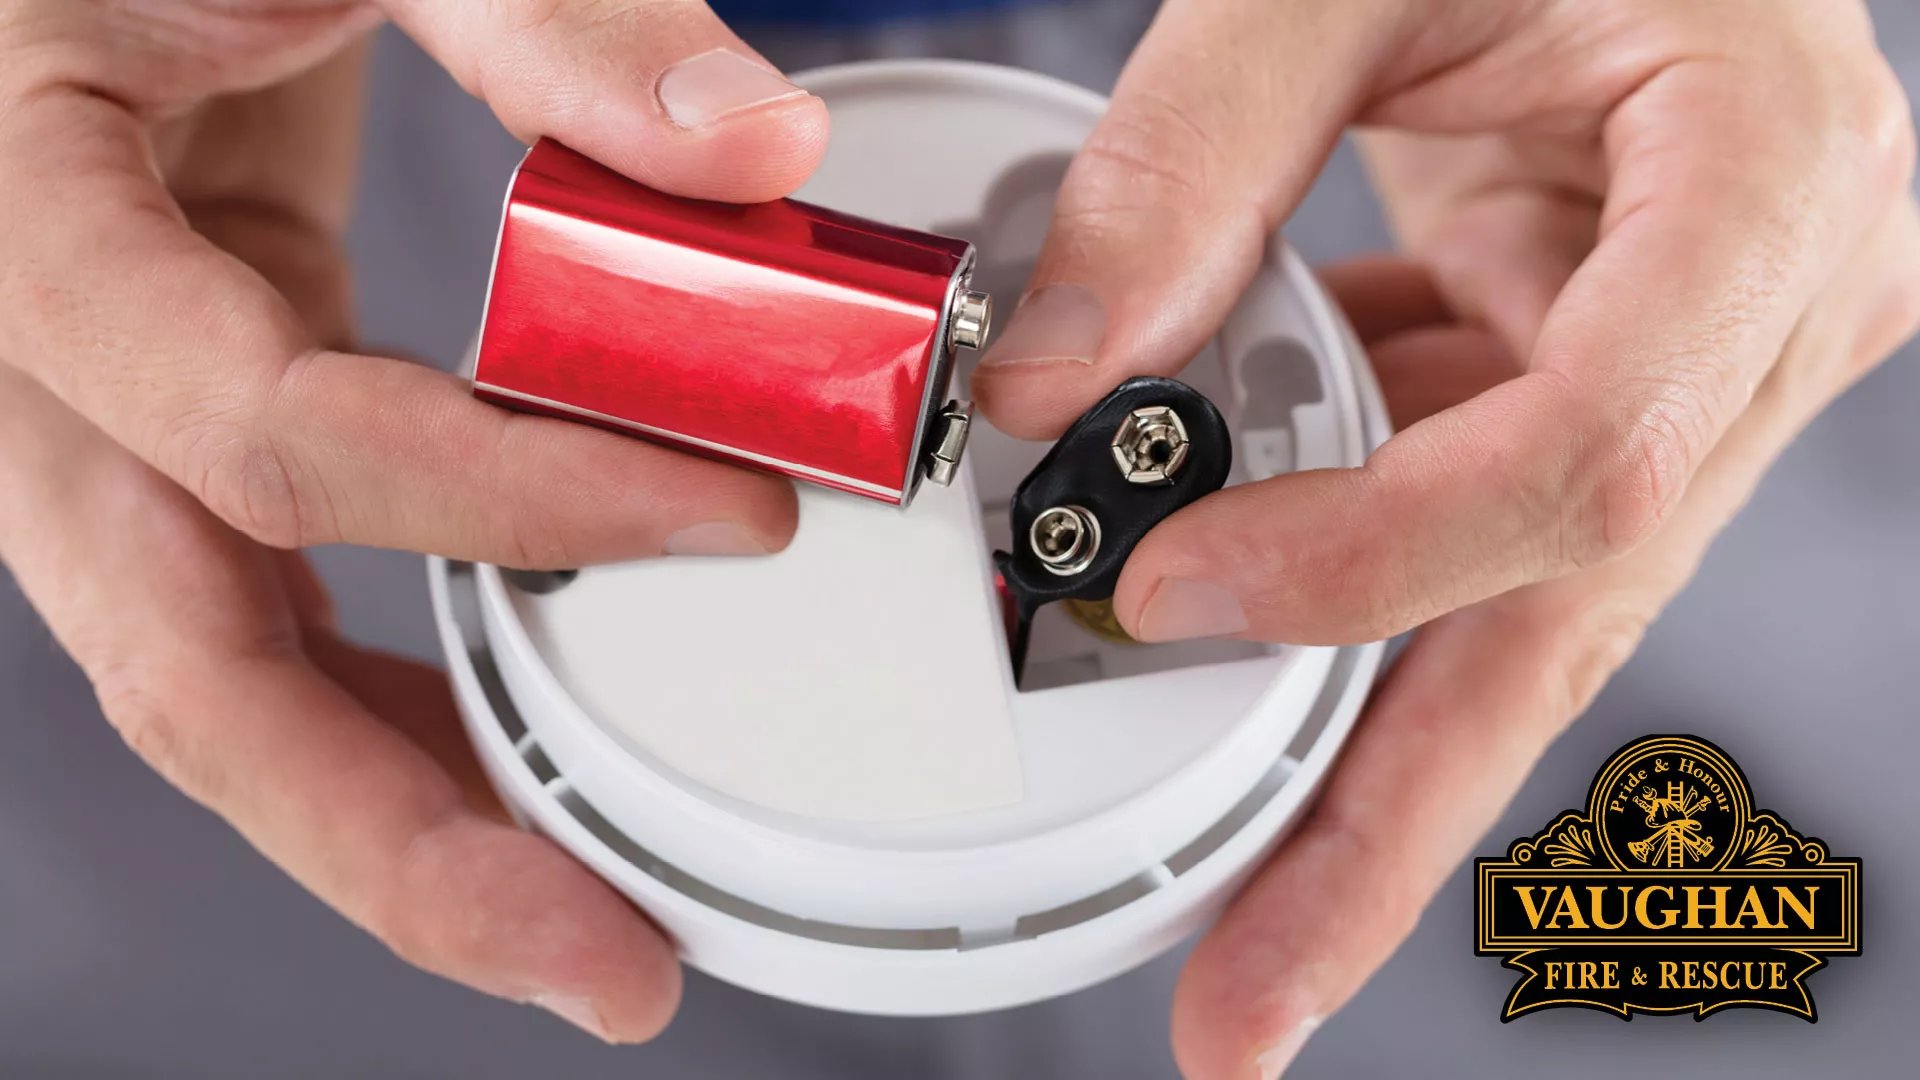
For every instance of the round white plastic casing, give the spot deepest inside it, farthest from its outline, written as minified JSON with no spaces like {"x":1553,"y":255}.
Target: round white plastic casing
{"x":1152,"y":779}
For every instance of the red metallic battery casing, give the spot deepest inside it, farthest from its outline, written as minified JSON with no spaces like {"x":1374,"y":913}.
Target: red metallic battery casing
{"x":781,"y":336}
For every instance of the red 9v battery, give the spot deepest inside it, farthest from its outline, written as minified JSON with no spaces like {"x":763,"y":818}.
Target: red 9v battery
{"x":780,"y":336}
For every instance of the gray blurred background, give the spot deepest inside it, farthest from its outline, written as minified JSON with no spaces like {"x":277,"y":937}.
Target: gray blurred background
{"x":140,"y":937}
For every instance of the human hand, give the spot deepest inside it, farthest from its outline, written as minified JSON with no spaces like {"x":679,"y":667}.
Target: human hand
{"x":1648,"y":241}
{"x":176,"y":413}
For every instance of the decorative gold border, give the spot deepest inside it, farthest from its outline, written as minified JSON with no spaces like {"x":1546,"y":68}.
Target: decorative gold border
{"x":1847,"y":871}
{"x":1574,"y":846}
{"x":1625,"y":1010}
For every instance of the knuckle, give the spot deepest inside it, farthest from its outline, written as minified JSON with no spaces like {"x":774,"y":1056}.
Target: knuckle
{"x":1388,"y":596}
{"x":1829,"y":101}
{"x":536,"y":542}
{"x":1883,"y":302}
{"x":432,"y":938}
{"x":1897,"y":317}
{"x":514,"y":69}
{"x":1643,"y":484}
{"x":1150,"y":155}
{"x":1637,"y":471}
{"x":134,"y":703}
{"x":532,"y":535}
{"x":1863,"y":118}
{"x":527,"y":16}
{"x":1344,"y":829}
{"x":419,"y":940}
{"x":1599,"y":638}
{"x":1886,"y":127}
{"x":388,"y":912}
{"x":492,"y":61}
{"x":247,"y":478}
{"x":522,"y":17}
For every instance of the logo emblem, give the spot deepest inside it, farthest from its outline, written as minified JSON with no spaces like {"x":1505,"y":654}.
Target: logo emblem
{"x":1670,"y":893}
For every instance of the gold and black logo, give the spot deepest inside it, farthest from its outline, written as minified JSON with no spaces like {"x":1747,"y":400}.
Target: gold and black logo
{"x":1669,"y":894}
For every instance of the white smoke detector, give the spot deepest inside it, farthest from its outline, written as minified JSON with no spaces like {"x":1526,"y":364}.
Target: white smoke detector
{"x":814,"y":770}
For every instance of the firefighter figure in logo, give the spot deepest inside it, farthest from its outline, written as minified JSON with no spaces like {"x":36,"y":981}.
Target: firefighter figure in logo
{"x":1676,"y":832}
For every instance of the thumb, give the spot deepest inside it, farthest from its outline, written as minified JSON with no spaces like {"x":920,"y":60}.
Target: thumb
{"x":660,"y":90}
{"x":1217,"y":127}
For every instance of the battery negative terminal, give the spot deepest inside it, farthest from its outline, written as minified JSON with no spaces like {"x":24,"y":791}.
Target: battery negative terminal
{"x":949,"y":442}
{"x":1151,"y":445}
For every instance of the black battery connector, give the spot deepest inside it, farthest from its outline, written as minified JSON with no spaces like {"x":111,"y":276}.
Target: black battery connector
{"x":1144,"y":451}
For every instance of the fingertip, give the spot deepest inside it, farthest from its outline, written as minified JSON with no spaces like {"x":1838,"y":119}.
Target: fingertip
{"x":765,"y":513}
{"x":566,"y":495}
{"x":1174,"y":587}
{"x":664,"y":93}
{"x":766,"y":505}
{"x":1033,"y":401}
{"x":708,"y":88}
{"x":782,"y":507}
{"x":1229,"y":1023}
{"x":667,"y":984}
{"x":570,"y":944}
{"x":644,"y":1003}
{"x":753,"y":154}
{"x":1040,"y":373}
{"x":770,"y":153}
{"x":1257,"y":561}
{"x":718,"y":124}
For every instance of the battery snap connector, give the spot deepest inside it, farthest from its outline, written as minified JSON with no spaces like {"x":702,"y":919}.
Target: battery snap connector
{"x":1076,"y":517}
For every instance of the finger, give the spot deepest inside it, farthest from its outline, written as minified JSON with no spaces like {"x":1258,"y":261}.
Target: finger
{"x":182,"y":628}
{"x":1384,"y":295}
{"x":1425,"y":361}
{"x":1430,"y":370}
{"x":185,"y":355}
{"x":1501,"y":230}
{"x":306,"y":594}
{"x":1731,"y":204}
{"x":413,"y":700}
{"x":1165,"y":212}
{"x":268,"y":177}
{"x":658,"y":89}
{"x":1472,"y":704}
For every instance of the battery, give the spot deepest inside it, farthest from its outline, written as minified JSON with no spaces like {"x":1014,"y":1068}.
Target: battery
{"x":781,"y":336}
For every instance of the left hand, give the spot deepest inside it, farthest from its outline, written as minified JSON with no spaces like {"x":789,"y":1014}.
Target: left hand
{"x":181,"y":403}
{"x":1650,"y":242}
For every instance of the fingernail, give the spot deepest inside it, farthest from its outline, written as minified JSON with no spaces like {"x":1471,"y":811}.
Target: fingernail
{"x":714,"y":538}
{"x":1059,"y":322}
{"x":577,"y":1011}
{"x":1181,"y":609}
{"x":1274,"y":1059}
{"x":714,"y":85}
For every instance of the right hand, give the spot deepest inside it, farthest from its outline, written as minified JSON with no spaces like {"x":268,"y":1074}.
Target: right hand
{"x":178,"y":399}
